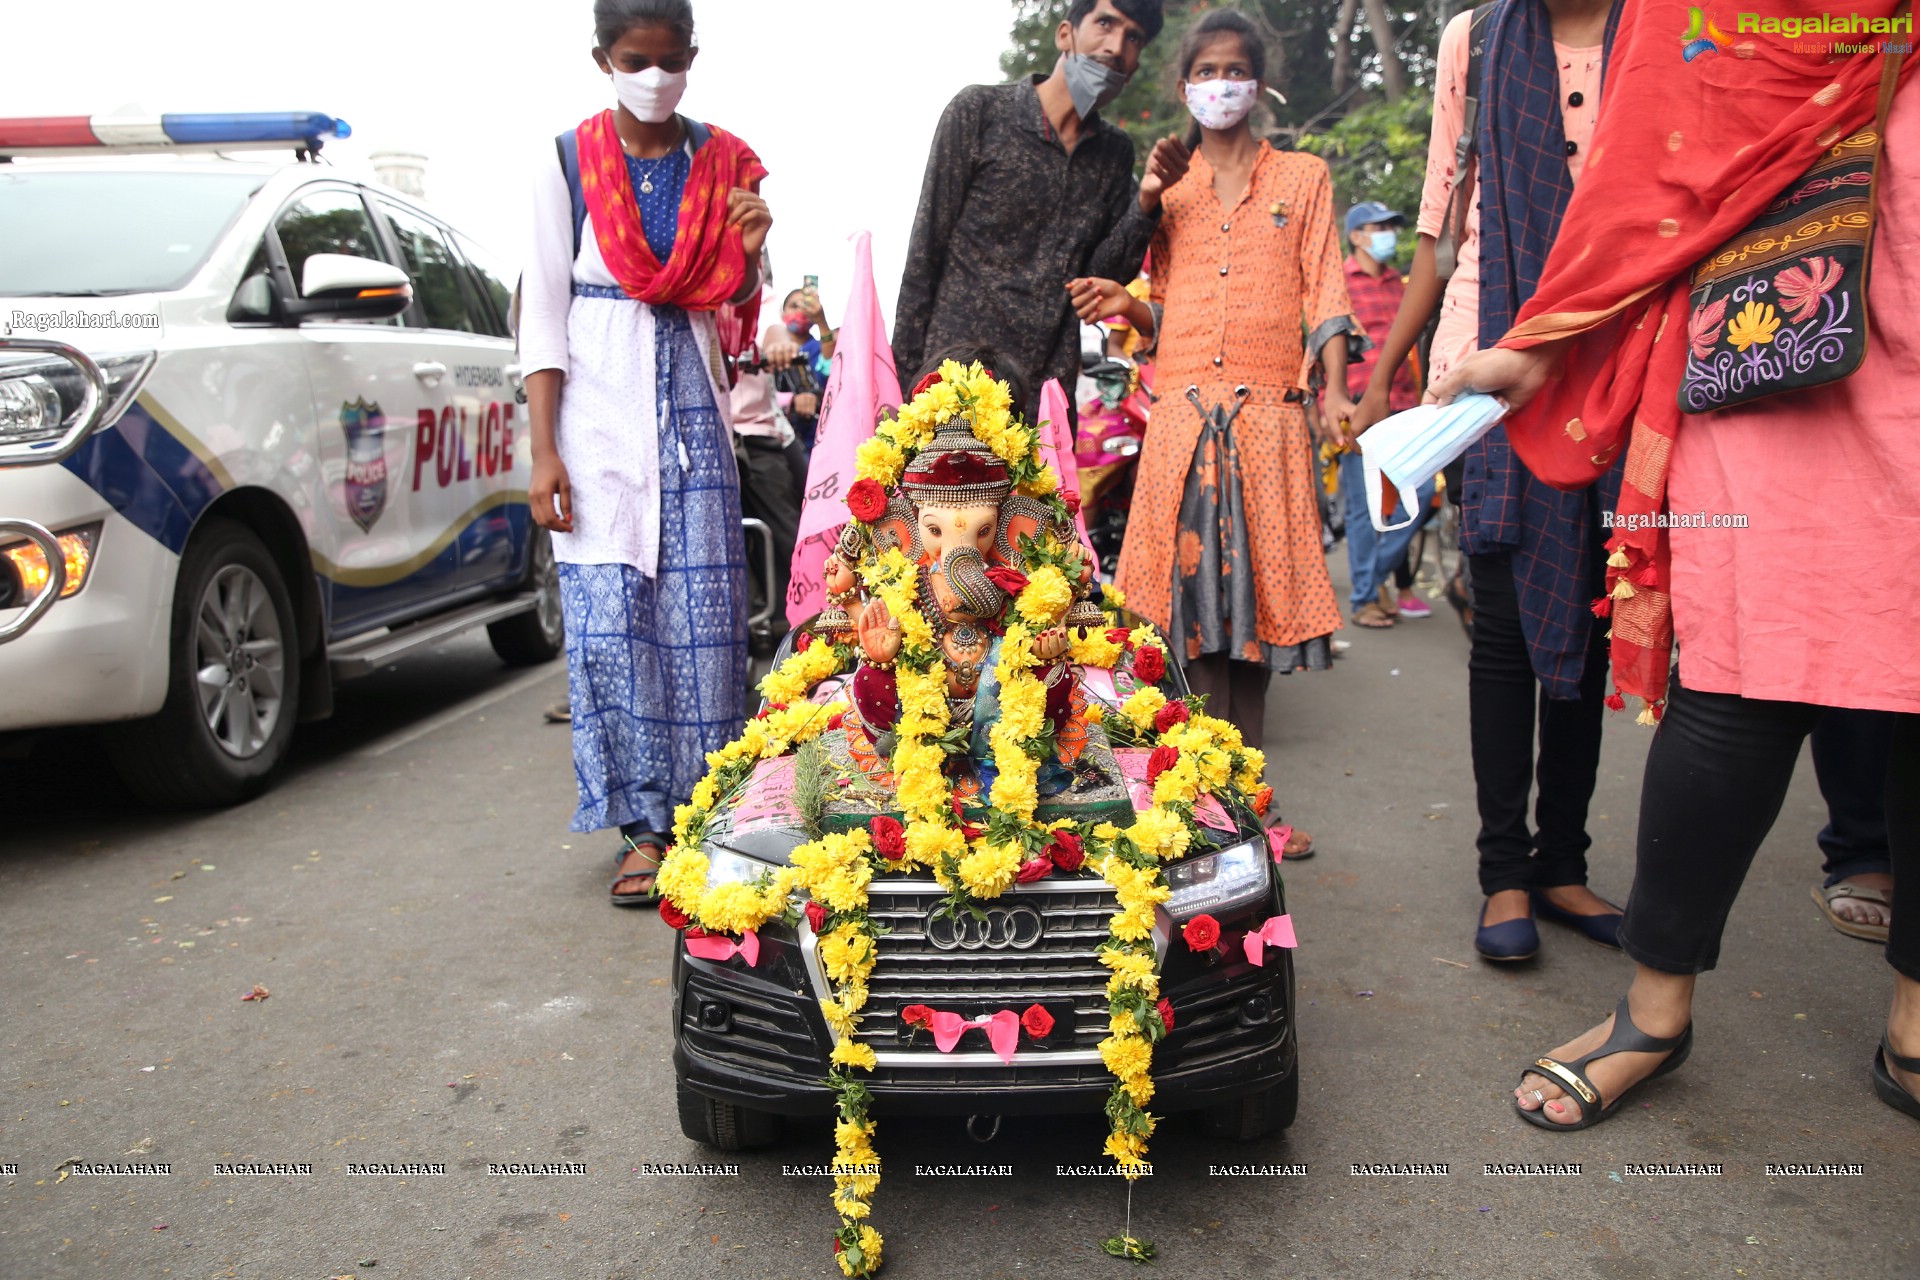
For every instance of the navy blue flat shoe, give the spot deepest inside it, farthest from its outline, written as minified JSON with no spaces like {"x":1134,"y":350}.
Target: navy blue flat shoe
{"x":1603,"y":929}
{"x":1508,"y":941}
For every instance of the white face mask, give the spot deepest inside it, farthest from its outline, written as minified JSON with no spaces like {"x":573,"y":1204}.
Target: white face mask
{"x":1411,"y":447}
{"x":651,"y":94}
{"x":1222,"y":104}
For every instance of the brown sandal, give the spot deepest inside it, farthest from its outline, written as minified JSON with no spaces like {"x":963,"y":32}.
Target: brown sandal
{"x":647,"y":847}
{"x":1372,"y":615}
{"x":1827,"y":895}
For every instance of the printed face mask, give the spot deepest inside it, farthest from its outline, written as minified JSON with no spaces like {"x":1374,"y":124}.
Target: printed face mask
{"x":1091,"y":84}
{"x":1222,"y":104}
{"x":651,"y":94}
{"x":1410,"y":448}
{"x":1384,"y":247}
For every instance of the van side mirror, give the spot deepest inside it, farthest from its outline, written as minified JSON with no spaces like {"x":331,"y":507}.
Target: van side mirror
{"x":340,"y":286}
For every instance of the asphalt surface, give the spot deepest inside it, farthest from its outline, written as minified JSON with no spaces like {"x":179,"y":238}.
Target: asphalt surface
{"x":448,"y":985}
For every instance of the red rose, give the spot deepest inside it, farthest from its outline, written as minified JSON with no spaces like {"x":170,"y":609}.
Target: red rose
{"x":1173,"y":713}
{"x":1072,"y":499}
{"x":923,"y":384}
{"x":1262,"y":801}
{"x":816,"y":916}
{"x":889,"y":837}
{"x":1033,"y":869}
{"x":1008,"y":579}
{"x":1067,"y":851}
{"x":1162,"y":759}
{"x":867,"y":500}
{"x":1201,"y":933}
{"x":804,"y":643}
{"x":1037,"y":1021}
{"x":1166,"y":1012}
{"x":1118,"y":635}
{"x":916,"y":1015}
{"x":1150,"y":664}
{"x":972,"y":832}
{"x":837,"y":719}
{"x":673,"y":915}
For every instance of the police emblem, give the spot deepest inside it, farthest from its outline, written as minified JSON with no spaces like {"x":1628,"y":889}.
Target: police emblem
{"x":365,"y":428}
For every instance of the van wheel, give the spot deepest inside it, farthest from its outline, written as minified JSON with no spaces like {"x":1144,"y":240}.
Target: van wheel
{"x":537,"y":636}
{"x":1254,"y":1116}
{"x":723,"y":1125}
{"x":233,"y":687}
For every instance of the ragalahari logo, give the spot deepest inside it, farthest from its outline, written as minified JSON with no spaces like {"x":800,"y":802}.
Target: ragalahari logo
{"x":365,"y":428}
{"x":1703,"y":36}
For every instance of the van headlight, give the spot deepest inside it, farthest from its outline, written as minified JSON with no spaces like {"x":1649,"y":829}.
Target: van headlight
{"x":1233,"y":877}
{"x":41,"y":392}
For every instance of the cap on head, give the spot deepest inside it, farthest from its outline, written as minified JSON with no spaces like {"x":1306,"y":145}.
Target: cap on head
{"x":1371,"y":211}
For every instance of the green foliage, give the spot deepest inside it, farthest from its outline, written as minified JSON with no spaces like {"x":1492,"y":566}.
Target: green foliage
{"x":1380,"y":156}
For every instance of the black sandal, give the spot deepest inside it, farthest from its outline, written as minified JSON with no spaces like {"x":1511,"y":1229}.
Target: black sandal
{"x":1572,"y":1076}
{"x":1886,"y":1086}
{"x":649,"y":896}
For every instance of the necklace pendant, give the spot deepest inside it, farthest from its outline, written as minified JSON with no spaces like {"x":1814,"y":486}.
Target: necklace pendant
{"x":646,"y":186}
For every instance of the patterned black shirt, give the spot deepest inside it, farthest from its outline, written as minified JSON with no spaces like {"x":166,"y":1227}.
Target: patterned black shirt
{"x":1007,"y":216}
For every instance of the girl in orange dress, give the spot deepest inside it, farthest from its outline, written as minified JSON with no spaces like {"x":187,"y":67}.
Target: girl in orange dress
{"x":1223,"y":547}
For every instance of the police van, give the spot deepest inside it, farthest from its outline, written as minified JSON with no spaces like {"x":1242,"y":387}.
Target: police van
{"x":267,"y":416}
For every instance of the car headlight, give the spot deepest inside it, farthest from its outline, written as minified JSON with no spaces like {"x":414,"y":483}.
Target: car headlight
{"x":1233,"y":877}
{"x":40,"y":393}
{"x":727,"y":867}
{"x":31,"y":573}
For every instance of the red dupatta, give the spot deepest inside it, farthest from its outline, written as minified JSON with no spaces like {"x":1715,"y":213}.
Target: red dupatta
{"x":1661,"y":190}
{"x":709,"y":262}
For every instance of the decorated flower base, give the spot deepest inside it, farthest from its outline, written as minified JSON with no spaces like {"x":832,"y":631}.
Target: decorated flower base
{"x":980,"y":722}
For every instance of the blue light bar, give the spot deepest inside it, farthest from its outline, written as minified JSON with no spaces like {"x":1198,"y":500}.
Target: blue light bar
{"x":243,"y":128}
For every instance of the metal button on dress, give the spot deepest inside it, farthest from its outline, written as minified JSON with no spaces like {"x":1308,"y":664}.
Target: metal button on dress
{"x":1572,"y":146}
{"x":1217,"y":362}
{"x":1575,"y":98}
{"x":1226,"y":226}
{"x":1223,"y":270}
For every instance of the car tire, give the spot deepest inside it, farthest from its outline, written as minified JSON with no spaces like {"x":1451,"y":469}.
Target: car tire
{"x":1254,"y":1116}
{"x":233,"y":680}
{"x":537,"y":636}
{"x":723,"y":1126}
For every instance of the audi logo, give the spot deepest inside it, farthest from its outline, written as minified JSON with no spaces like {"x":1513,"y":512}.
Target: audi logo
{"x":1002,"y":929}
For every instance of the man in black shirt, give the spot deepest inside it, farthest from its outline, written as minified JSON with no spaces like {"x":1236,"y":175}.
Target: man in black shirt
{"x":1027,"y":188}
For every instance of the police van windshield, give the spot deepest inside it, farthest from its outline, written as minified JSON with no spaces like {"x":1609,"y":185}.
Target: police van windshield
{"x":72,"y":234}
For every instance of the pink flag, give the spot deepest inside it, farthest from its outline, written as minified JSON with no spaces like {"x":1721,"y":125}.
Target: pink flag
{"x":861,"y":386}
{"x":1056,"y":447}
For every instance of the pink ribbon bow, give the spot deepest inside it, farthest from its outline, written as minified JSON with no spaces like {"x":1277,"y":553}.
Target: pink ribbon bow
{"x":720,"y":949}
{"x":1277,"y":838}
{"x":1002,"y":1028}
{"x":1277,"y":931}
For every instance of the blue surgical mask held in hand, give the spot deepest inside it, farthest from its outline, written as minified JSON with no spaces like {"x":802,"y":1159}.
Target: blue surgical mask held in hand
{"x":1411,"y":447}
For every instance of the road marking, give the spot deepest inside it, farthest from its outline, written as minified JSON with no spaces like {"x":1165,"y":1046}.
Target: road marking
{"x":455,"y":714}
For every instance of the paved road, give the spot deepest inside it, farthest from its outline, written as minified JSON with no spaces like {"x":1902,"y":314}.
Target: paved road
{"x":449,"y":986}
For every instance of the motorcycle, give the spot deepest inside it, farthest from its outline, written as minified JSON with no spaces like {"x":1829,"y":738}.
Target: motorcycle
{"x":1116,"y":397}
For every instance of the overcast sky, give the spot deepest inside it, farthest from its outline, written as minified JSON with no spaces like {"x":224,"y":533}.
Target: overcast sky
{"x":839,"y":97}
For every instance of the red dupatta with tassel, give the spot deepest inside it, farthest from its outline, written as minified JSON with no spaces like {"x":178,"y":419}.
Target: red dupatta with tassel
{"x":1661,"y":190}
{"x":709,"y":262}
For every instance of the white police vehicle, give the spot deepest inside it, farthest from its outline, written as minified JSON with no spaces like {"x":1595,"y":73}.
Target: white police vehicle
{"x":268,"y":416}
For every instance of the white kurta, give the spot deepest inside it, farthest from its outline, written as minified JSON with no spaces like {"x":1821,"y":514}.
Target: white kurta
{"x":608,"y":430}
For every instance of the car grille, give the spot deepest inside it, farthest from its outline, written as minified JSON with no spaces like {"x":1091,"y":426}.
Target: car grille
{"x":1061,"y":971}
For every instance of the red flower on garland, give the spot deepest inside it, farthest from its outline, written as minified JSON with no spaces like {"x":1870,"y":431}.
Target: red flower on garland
{"x":867,"y":500}
{"x":1067,"y":851}
{"x":1262,"y":801}
{"x":816,"y":916}
{"x":1119,"y":636}
{"x":1173,"y":713}
{"x":1165,"y":1008}
{"x":917,"y":1015}
{"x":1072,"y":498}
{"x":1150,"y":664}
{"x":1202,"y":933}
{"x":1034,"y":869}
{"x":804,"y":643}
{"x":673,"y":915}
{"x":889,"y":837}
{"x":1007,"y":578}
{"x":1162,"y":759}
{"x":837,"y":719}
{"x":924,"y":383}
{"x":1037,"y":1021}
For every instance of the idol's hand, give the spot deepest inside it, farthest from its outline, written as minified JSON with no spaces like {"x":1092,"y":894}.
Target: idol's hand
{"x":749,"y":212}
{"x":1051,"y":643}
{"x":879,"y":633}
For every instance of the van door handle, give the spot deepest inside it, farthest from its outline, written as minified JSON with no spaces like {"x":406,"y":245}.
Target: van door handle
{"x":513,"y":375}
{"x":430,"y":371}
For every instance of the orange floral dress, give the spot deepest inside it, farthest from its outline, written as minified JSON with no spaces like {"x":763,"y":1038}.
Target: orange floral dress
{"x":1249,"y":294}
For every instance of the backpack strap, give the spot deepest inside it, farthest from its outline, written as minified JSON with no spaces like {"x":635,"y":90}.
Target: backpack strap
{"x":568,"y":146}
{"x":1446,"y":250}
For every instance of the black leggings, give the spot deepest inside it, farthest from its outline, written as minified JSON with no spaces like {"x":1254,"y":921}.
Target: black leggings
{"x":1717,"y":773}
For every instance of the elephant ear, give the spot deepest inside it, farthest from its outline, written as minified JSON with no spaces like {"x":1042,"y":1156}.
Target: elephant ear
{"x":1020,"y":517}
{"x":899,"y":527}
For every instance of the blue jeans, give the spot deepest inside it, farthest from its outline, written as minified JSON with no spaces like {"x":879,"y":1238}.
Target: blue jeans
{"x":1371,"y":555}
